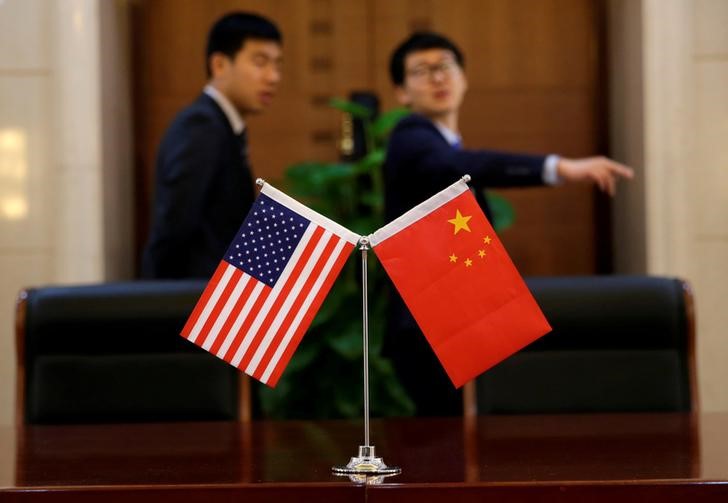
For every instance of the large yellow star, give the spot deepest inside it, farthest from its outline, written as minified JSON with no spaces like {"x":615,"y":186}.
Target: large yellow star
{"x":460,"y":222}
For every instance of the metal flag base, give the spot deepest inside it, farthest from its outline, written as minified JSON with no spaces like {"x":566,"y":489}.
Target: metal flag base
{"x":366,"y":467}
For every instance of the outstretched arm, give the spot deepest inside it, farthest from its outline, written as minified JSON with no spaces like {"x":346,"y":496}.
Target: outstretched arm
{"x":600,"y":170}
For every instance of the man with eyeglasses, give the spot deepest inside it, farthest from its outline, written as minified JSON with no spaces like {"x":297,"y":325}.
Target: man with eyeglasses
{"x":425,"y":154}
{"x":423,"y":157}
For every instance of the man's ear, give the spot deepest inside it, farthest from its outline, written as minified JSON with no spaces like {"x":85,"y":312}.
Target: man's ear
{"x":219,"y":63}
{"x":403,"y":97}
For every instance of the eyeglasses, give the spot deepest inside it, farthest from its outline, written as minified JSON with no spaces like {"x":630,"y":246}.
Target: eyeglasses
{"x":422,"y":72}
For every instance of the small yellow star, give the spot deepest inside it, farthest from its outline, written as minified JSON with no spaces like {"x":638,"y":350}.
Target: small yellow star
{"x":481,"y":253}
{"x":453,"y":258}
{"x":486,"y":240}
{"x":468,"y":262}
{"x":460,"y":222}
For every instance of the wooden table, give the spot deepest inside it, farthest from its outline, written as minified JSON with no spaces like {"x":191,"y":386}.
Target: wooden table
{"x":632,"y":457}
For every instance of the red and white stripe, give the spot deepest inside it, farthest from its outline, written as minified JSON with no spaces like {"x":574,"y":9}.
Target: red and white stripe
{"x":257,"y":328}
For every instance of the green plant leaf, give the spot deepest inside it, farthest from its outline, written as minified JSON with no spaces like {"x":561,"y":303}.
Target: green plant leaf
{"x":372,"y":199}
{"x":332,"y":304}
{"x":324,"y":379}
{"x":346,"y":339}
{"x":391,"y":398}
{"x":386,"y":121}
{"x":355,"y":109}
{"x":502,"y":211}
{"x":373,"y":160}
{"x":348,"y":405}
{"x":305,"y":354}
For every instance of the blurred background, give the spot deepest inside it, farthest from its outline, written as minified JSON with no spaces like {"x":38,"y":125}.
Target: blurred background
{"x":87,"y":88}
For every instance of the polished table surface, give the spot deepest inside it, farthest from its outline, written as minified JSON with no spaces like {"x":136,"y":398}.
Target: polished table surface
{"x":630,"y":457}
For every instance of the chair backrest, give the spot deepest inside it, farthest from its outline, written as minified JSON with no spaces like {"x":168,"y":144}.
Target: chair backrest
{"x":619,"y":344}
{"x":112,"y":353}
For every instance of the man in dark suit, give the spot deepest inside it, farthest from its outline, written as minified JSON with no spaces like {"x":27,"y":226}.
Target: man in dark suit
{"x":204,"y":186}
{"x":423,"y":157}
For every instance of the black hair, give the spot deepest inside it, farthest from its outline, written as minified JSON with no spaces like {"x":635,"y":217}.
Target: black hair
{"x":420,"y":41}
{"x":230,"y":32}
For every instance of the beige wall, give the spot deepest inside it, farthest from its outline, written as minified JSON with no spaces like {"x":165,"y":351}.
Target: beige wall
{"x":65,"y":170}
{"x":669,"y":119}
{"x":707,"y":169}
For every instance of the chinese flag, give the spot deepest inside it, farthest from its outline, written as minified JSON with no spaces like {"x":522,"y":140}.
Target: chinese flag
{"x":459,"y":283}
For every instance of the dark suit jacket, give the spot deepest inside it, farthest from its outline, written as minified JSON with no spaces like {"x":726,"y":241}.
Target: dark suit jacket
{"x":420,"y":163}
{"x":203,"y":191}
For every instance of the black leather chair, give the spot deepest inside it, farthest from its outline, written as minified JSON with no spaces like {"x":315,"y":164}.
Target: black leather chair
{"x":619,"y":344}
{"x":112,"y":353}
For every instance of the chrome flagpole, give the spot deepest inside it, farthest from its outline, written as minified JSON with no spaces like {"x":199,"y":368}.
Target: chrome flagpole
{"x":364,"y":247}
{"x":366,"y":467}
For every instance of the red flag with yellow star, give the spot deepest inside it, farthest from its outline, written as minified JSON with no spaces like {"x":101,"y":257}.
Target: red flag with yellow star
{"x":459,"y":283}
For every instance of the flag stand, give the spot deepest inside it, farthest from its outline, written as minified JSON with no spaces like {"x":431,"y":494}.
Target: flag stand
{"x":366,"y":467}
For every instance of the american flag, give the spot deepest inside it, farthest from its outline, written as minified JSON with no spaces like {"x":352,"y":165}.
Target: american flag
{"x":269,"y":285}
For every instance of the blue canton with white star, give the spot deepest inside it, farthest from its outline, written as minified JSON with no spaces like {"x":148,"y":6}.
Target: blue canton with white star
{"x":266,"y":240}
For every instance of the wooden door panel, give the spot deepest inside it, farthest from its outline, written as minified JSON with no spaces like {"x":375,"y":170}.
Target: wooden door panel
{"x":534,"y":69}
